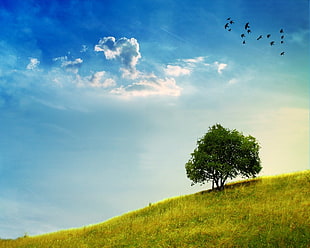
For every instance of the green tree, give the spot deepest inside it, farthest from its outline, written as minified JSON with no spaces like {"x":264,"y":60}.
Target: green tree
{"x":223,"y":154}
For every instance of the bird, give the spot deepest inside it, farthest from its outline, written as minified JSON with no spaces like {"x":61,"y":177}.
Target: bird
{"x":268,"y":35}
{"x":281,"y":31}
{"x":249,"y":31}
{"x":243,"y":42}
{"x":282,"y":53}
{"x":259,"y":37}
{"x":228,"y":18}
{"x":231,"y":22}
{"x":282,"y":41}
{"x":229,"y":29}
{"x":242,"y":35}
{"x":226,"y":25}
{"x":282,"y":37}
{"x":272,"y":43}
{"x":247,"y":25}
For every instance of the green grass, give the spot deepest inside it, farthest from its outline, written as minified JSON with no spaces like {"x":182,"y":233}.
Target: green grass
{"x":264,"y":212}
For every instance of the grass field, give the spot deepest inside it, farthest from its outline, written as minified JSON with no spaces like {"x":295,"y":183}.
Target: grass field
{"x":264,"y":212}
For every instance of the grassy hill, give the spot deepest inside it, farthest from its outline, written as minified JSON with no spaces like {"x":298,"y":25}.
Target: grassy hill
{"x":263,"y":212}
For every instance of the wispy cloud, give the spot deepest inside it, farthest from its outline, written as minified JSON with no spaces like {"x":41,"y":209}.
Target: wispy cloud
{"x":156,"y":86}
{"x":220,"y":66}
{"x":72,"y":63}
{"x":69,"y":65}
{"x":84,"y":49}
{"x":178,"y":37}
{"x":195,"y":60}
{"x":125,"y":50}
{"x":187,"y":66}
{"x":233,"y":81}
{"x":301,"y":37}
{"x":176,"y":70}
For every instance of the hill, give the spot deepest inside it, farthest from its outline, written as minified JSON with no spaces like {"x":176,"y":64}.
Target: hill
{"x":263,"y":212}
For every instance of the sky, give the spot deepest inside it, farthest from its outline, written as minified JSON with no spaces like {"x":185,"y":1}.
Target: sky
{"x":102,"y":102}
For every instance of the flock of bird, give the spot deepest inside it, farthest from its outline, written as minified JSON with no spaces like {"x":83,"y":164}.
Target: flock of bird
{"x":247,"y":31}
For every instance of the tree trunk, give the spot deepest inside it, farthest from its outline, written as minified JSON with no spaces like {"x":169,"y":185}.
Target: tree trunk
{"x":222,"y":183}
{"x":217,"y":183}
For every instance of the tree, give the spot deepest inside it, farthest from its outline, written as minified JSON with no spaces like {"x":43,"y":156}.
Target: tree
{"x":223,"y":154}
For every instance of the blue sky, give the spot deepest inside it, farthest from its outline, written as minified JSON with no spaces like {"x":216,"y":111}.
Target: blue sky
{"x":102,"y":102}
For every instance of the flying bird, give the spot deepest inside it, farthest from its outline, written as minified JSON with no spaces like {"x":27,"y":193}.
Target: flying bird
{"x":248,"y":30}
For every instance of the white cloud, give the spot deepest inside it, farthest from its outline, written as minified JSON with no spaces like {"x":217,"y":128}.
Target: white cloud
{"x":98,"y":80}
{"x":97,"y":77}
{"x":166,"y":87}
{"x":109,"y":82}
{"x":187,"y":66}
{"x":220,"y":67}
{"x":69,"y":65}
{"x":62,"y":58}
{"x":233,"y":81}
{"x":195,"y":60}
{"x":201,"y":64}
{"x":175,"y":70}
{"x":33,"y":64}
{"x":125,"y":50}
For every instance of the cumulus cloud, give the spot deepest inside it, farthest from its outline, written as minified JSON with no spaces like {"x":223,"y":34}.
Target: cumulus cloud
{"x":175,"y":70}
{"x":33,"y":64}
{"x":148,"y":87}
{"x":125,"y":50}
{"x":137,"y":83}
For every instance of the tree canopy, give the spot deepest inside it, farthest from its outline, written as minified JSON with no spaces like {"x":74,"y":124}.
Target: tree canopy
{"x":223,"y":154}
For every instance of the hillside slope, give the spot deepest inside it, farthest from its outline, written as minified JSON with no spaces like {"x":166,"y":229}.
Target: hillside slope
{"x":264,"y":212}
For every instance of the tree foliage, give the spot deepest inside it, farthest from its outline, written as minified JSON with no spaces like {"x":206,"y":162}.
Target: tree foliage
{"x":223,"y":154}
